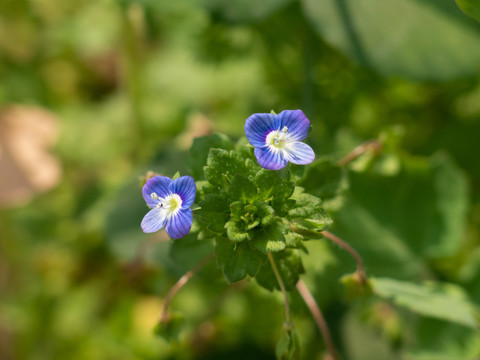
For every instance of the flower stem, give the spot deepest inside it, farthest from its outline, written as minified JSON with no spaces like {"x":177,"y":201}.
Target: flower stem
{"x":282,"y":286}
{"x":359,"y":150}
{"x":360,"y":267}
{"x":318,"y":317}
{"x":179,"y":284}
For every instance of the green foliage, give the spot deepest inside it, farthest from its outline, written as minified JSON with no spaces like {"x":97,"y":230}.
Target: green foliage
{"x":421,"y":47}
{"x":254,"y":211}
{"x":470,"y":7}
{"x":170,"y":328}
{"x":289,"y":266}
{"x":288,"y":346}
{"x":79,"y":280}
{"x":423,"y":218}
{"x":237,"y":261}
{"x":441,"y":301}
{"x":199,"y":152}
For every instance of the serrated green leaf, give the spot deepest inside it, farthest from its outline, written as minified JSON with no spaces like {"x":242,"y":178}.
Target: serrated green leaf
{"x":308,"y":217}
{"x":222,"y":166}
{"x":271,"y":184}
{"x":199,"y":152}
{"x":236,"y":260}
{"x":470,"y":7}
{"x":270,"y":238}
{"x":237,"y":231}
{"x":289,"y":266}
{"x":441,"y":301}
{"x":242,"y":189}
{"x":214,"y":212}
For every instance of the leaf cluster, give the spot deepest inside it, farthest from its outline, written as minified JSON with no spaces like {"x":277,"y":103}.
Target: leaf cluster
{"x":251,"y":211}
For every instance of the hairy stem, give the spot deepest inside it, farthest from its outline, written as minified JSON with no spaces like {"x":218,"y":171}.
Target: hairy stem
{"x":318,"y":317}
{"x":179,"y":284}
{"x":282,"y":286}
{"x":360,"y":267}
{"x":359,"y":150}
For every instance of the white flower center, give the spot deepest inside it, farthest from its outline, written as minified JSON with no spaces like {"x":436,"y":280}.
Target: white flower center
{"x":170,"y":205}
{"x":277,"y":139}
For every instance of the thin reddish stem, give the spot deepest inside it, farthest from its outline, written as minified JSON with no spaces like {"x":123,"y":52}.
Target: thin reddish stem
{"x":360,"y":267}
{"x":179,"y":284}
{"x":359,"y":150}
{"x":282,"y":286}
{"x":318,"y":317}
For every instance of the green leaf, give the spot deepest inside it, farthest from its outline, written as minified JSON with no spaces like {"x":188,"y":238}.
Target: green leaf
{"x":288,"y":345}
{"x":271,"y":184}
{"x":308,"y":217}
{"x":200,"y":149}
{"x":470,"y":7}
{"x":441,"y":340}
{"x":417,"y":44}
{"x":289,"y":266}
{"x":222,"y":166}
{"x":236,"y":260}
{"x":395,"y":222}
{"x":324,"y":178}
{"x":441,"y":301}
{"x":171,"y":328}
{"x":242,"y":188}
{"x":270,"y":238}
{"x":214,"y":212}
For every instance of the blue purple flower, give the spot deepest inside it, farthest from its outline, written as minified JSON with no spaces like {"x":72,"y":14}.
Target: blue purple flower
{"x":278,"y":138}
{"x":170,"y":201}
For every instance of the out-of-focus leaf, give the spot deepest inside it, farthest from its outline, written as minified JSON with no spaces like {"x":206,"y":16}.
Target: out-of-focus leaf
{"x":245,"y":10}
{"x":440,"y":340}
{"x":441,"y":301}
{"x":395,"y":222}
{"x":429,"y":39}
{"x":288,"y":346}
{"x":470,"y":7}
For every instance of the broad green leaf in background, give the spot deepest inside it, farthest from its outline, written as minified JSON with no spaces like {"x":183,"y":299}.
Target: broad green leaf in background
{"x":395,"y":222}
{"x":441,"y":301}
{"x":470,"y":7}
{"x":428,"y":39}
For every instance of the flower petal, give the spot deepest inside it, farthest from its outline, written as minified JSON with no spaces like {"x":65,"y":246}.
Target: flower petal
{"x":158,"y":185}
{"x":154,"y":220}
{"x":270,"y":159}
{"x":185,"y":187}
{"x":179,"y":225}
{"x":296,"y":122}
{"x":258,"y":126}
{"x":299,"y":153}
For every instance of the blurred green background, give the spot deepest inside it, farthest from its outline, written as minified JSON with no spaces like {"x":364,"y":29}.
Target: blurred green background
{"x":95,"y":93}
